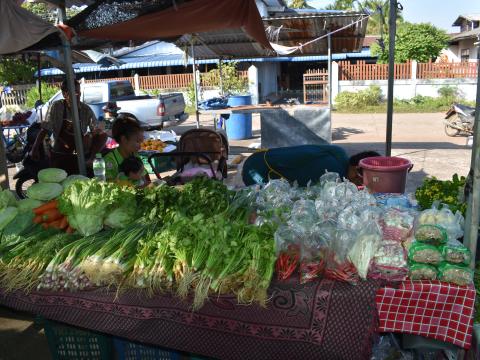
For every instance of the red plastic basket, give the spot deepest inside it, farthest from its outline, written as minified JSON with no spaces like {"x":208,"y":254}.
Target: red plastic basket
{"x":385,"y":174}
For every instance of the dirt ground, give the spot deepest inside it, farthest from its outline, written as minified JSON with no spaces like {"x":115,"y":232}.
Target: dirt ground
{"x":418,"y":137}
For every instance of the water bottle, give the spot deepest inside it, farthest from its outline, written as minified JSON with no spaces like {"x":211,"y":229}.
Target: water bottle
{"x":99,"y":167}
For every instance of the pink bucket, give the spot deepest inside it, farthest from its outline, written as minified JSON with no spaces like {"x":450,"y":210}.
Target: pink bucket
{"x":384,"y":174}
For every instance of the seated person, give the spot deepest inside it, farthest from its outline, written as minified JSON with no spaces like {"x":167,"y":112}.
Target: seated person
{"x":302,"y":163}
{"x":132,"y":172}
{"x":129,"y":136}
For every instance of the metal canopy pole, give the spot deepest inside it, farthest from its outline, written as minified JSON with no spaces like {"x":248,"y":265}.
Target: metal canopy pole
{"x":473,"y":204}
{"x":195,"y":85}
{"x":221,"y":76}
{"x":39,"y":82}
{"x":67,"y":54}
{"x":329,"y":70}
{"x":392,"y":25}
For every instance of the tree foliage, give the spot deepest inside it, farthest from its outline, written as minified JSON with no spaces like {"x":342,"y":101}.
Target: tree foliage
{"x":380,"y":9}
{"x":298,"y":4}
{"x":16,"y":71}
{"x":421,"y":42}
{"x":231,"y":81}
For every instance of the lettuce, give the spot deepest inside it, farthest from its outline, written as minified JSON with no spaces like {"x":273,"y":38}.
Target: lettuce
{"x":7,"y":199}
{"x":22,"y":221}
{"x":120,"y":217}
{"x":44,"y":191}
{"x":72,"y":178}
{"x":88,"y":203}
{"x":52,"y":175}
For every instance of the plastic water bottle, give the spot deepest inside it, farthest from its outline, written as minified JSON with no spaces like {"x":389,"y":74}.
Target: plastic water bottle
{"x":99,"y":167}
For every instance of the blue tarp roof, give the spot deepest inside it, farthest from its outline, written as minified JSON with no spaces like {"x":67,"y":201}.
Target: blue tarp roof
{"x":160,"y":54}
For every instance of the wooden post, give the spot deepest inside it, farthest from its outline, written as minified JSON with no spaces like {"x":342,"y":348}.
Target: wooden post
{"x":4,"y":183}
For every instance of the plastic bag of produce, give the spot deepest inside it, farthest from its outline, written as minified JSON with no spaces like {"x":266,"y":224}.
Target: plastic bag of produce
{"x":355,"y":216}
{"x":397,"y":224}
{"x":425,"y":253}
{"x":288,"y":251}
{"x":314,"y":251}
{"x":303,"y":216}
{"x":338,"y":266}
{"x":431,"y":234}
{"x":389,"y":262}
{"x":422,"y":272}
{"x":452,"y":223}
{"x":455,"y":274}
{"x":326,"y":210}
{"x":365,"y":247}
{"x":456,"y":253}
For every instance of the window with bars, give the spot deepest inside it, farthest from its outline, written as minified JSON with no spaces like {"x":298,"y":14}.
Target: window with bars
{"x":464,"y":55}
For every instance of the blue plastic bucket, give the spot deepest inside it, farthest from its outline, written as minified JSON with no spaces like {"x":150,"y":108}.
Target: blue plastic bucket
{"x":239,"y":126}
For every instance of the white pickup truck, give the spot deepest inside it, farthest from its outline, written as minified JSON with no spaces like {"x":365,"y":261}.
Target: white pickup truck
{"x":150,"y":111}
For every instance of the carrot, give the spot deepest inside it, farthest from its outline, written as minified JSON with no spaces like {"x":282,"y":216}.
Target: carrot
{"x":70,"y":230}
{"x":55,"y":224}
{"x":51,"y":215}
{"x":64,"y":223}
{"x":52,"y":204}
{"x":38,"y":219}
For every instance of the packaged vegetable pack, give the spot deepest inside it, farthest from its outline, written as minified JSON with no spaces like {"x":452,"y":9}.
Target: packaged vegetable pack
{"x":397,"y":224}
{"x":389,"y":262}
{"x":288,"y":252}
{"x":338,"y":266}
{"x":455,"y":274}
{"x":456,"y":253}
{"x":431,"y":234}
{"x":422,"y":272}
{"x":365,"y":247}
{"x":452,"y":223}
{"x":425,"y":254}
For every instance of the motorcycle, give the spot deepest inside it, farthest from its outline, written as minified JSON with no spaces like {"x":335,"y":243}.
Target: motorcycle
{"x":459,"y":120}
{"x":28,"y":175}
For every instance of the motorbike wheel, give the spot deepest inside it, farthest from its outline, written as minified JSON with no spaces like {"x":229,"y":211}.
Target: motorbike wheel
{"x":450,"y":131}
{"x":22,"y":185}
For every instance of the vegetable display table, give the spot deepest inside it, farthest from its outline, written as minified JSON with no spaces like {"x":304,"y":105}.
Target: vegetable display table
{"x":432,"y":309}
{"x":322,"y":320}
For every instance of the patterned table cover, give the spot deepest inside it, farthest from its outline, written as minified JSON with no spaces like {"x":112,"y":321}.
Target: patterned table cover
{"x":432,"y":309}
{"x":318,"y":320}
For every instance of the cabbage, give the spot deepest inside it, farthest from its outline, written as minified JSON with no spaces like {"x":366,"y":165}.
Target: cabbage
{"x":70,"y":179}
{"x":7,"y":199}
{"x":120,"y":217}
{"x":7,"y":215}
{"x":52,"y":175}
{"x":44,"y":191}
{"x":28,"y":205}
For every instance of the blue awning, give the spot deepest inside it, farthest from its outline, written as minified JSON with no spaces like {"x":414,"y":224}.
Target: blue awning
{"x":152,"y":61}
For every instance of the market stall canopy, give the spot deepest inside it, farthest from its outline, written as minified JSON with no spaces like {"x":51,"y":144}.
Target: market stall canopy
{"x":169,"y":20}
{"x":20,"y":28}
{"x":286,"y":30}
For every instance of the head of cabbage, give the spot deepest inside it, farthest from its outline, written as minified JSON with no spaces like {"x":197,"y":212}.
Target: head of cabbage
{"x":52,"y":175}
{"x":44,"y":191}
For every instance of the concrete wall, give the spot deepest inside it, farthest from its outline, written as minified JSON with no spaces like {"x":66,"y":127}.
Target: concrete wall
{"x":406,"y":89}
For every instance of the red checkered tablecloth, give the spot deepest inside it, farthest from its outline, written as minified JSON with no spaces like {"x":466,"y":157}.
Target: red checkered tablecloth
{"x":429,"y":308}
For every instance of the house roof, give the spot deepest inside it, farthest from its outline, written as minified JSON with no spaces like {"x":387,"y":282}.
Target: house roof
{"x":370,"y":39}
{"x":472,"y":34}
{"x":468,"y":17}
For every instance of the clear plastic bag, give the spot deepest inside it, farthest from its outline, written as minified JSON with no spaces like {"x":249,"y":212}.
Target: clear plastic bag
{"x":455,"y":274}
{"x":456,"y":253}
{"x":365,"y":247}
{"x":303,"y":216}
{"x":288,"y":251}
{"x":452,"y":223}
{"x":355,"y":216}
{"x":424,"y":254}
{"x":389,"y":262}
{"x":397,"y":224}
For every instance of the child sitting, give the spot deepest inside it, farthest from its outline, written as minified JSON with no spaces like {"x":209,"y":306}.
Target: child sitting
{"x":132,"y":172}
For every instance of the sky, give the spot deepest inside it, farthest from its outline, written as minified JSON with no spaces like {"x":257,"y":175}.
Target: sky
{"x":441,"y":13}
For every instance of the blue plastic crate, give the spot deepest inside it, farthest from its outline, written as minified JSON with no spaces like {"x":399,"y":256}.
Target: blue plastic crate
{"x":127,"y":350}
{"x":67,"y":342}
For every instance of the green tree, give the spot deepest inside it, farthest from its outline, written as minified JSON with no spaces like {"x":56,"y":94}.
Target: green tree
{"x":231,"y":81}
{"x":16,"y":71}
{"x":47,"y":12}
{"x":380,"y":9}
{"x":299,"y":4}
{"x":421,"y":42}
